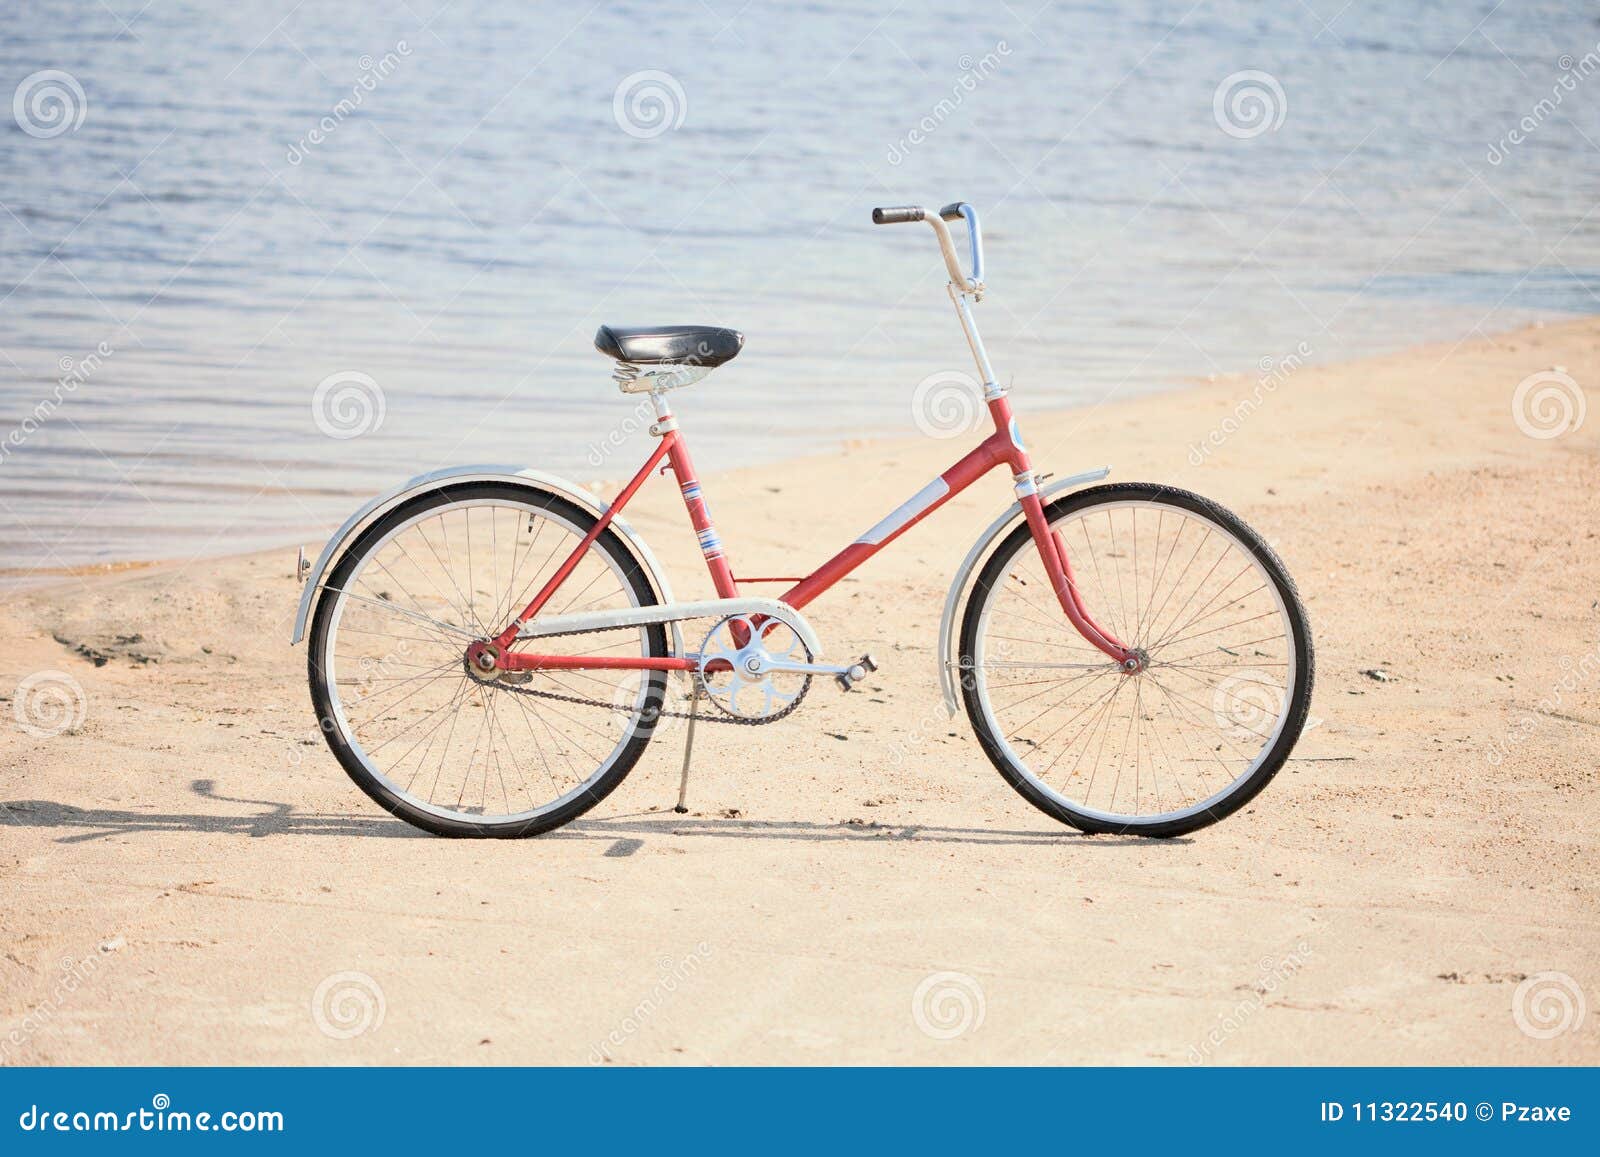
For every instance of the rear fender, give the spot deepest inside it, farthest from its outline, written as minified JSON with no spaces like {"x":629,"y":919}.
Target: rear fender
{"x":423,"y":484}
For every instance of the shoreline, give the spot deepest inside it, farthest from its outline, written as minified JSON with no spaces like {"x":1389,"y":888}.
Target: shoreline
{"x":1424,"y":857}
{"x":28,"y":580}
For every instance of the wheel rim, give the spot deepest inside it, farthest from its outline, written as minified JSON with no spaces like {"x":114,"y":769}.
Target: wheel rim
{"x":400,"y":694}
{"x":1196,"y":722}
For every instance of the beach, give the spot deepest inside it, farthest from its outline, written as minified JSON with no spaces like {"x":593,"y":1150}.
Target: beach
{"x":188,"y":877}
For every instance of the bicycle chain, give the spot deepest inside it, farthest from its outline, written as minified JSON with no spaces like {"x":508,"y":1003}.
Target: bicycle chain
{"x":664,"y":712}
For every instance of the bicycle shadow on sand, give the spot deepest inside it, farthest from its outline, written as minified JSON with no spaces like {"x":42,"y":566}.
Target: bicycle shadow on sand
{"x":85,"y":824}
{"x":625,"y":830}
{"x":622,"y":835}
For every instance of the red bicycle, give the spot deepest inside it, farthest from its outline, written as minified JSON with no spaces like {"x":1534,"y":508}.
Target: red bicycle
{"x":491,"y":646}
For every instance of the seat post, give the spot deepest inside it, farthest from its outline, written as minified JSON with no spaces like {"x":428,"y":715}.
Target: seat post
{"x":665,"y":422}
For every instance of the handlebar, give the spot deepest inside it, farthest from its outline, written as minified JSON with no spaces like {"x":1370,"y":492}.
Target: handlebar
{"x":968,"y":282}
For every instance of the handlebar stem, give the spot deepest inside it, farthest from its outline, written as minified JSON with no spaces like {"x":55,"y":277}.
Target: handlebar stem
{"x":969,"y":326}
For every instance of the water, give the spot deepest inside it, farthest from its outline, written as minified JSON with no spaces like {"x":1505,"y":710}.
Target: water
{"x":458,"y":233}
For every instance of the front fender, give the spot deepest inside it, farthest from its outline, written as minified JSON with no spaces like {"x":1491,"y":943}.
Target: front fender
{"x":452,"y":476}
{"x":948,"y":659}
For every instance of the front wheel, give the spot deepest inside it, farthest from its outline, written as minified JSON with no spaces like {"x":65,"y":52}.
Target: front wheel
{"x":1201,"y":727}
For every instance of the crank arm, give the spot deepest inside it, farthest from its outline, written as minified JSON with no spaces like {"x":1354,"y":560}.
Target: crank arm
{"x":771,"y":666}
{"x":846,"y":674}
{"x":791,"y":668}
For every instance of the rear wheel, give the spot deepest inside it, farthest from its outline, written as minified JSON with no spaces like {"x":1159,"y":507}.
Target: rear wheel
{"x":426,"y":735}
{"x":1208,"y":719}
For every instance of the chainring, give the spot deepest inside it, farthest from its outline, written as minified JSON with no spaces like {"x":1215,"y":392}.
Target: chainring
{"x":730,"y":673}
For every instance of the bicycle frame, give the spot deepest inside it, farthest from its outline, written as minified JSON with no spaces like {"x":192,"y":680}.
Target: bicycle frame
{"x":1003,"y":447}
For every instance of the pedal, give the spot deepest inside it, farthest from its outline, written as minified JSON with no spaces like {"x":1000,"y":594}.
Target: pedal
{"x":857,"y":672}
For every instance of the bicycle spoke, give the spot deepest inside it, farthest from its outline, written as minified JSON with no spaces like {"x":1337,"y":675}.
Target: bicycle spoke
{"x":1141,"y":744}
{"x":433,"y":733}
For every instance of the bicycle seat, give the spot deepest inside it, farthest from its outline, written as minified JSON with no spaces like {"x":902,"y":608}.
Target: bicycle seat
{"x":689,"y":345}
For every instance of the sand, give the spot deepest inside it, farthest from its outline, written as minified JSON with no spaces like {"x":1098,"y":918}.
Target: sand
{"x":187,"y":876}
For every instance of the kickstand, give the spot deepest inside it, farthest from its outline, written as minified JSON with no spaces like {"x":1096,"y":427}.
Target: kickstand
{"x":688,"y":748}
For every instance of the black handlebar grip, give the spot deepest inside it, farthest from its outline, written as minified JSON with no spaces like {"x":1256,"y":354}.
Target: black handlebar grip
{"x":897,"y":215}
{"x":952,"y":211}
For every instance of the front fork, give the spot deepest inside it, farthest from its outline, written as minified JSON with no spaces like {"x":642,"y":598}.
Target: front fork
{"x":1053,"y":550}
